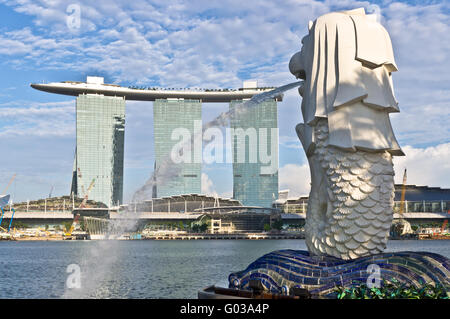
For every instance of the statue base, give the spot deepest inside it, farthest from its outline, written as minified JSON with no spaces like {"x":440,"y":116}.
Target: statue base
{"x":280,"y":272}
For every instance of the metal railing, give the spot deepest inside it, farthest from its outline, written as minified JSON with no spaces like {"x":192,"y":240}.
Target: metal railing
{"x":437,"y":206}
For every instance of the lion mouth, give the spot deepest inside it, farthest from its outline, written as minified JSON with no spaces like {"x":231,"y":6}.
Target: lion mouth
{"x":296,"y":66}
{"x":301,"y":89}
{"x":300,"y":74}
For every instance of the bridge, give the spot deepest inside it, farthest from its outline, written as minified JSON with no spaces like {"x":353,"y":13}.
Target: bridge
{"x":39,"y":217}
{"x":57,"y":217}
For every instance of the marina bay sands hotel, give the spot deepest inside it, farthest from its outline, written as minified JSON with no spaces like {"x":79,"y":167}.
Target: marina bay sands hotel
{"x":100,"y":134}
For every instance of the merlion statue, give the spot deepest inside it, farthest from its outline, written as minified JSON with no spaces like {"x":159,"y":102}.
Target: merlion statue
{"x":346,"y":62}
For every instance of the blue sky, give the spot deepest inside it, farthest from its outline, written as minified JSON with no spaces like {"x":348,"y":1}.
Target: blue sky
{"x":207,"y":44}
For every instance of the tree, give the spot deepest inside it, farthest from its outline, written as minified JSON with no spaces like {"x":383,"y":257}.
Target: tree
{"x":67,"y":225}
{"x":203,"y":227}
{"x":15,"y":224}
{"x":278,"y":224}
{"x":82,"y":225}
{"x":266,"y":227}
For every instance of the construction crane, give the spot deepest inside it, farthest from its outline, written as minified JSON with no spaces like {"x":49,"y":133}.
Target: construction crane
{"x":9,"y":184}
{"x":444,"y":225}
{"x":51,"y":191}
{"x":402,"y":226}
{"x":68,"y":233}
{"x":86,"y":195}
{"x":402,"y":199}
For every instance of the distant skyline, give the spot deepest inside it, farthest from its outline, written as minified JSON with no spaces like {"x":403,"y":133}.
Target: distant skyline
{"x":208,"y":44}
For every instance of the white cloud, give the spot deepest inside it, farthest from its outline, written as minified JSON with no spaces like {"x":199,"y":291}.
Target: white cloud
{"x":296,"y":178}
{"x":207,"y":185}
{"x":425,"y":166}
{"x":212,"y":42}
{"x":176,"y":43}
{"x":290,"y":142}
{"x":55,"y":119}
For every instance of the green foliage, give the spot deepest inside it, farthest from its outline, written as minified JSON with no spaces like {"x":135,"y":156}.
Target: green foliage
{"x":194,"y":227}
{"x":203,"y":227}
{"x":67,"y":225}
{"x":15,"y":224}
{"x":266,"y":227}
{"x":278,"y":224}
{"x":199,"y":228}
{"x":392,"y":290}
{"x":431,"y":225}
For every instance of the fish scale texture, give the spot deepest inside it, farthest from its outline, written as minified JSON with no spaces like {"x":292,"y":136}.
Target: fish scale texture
{"x":351,"y":209}
{"x":282,"y":270}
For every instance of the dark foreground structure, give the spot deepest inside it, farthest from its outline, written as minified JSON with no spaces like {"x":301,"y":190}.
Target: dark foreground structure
{"x":280,"y":272}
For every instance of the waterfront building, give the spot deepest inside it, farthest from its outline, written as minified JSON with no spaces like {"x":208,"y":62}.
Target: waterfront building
{"x":243,"y":219}
{"x":418,"y":199}
{"x":170,"y":115}
{"x":423,"y":198}
{"x":100,"y":136}
{"x":183,"y":204}
{"x":252,"y":185}
{"x":99,"y":153}
{"x":222,"y":215}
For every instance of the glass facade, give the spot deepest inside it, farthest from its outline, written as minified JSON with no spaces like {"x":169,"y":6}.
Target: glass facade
{"x":169,"y":115}
{"x":99,"y":148}
{"x":253,"y":183}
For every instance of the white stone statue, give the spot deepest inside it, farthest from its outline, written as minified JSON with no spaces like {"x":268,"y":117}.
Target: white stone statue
{"x":346,"y":63}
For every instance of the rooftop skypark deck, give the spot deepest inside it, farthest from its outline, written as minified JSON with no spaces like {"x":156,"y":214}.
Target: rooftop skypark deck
{"x":95,"y":85}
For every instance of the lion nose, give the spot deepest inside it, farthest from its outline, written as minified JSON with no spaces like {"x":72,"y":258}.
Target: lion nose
{"x":296,"y":66}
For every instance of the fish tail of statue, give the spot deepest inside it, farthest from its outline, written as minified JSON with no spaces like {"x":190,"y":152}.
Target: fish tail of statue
{"x":350,"y":206}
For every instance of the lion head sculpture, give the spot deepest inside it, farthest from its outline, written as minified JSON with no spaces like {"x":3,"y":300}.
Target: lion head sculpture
{"x":346,"y":62}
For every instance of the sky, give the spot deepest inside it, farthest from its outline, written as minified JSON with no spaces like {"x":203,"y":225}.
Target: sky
{"x":206,"y":44}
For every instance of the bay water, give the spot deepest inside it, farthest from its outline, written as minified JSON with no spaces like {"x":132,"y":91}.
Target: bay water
{"x":144,"y":269}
